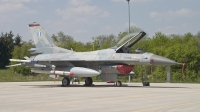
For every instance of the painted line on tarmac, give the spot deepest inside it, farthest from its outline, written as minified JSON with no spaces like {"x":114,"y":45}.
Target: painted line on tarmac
{"x":168,"y":106}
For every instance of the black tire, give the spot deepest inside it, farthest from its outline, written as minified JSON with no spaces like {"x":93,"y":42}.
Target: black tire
{"x":88,"y":81}
{"x":146,"y":84}
{"x":65,"y":81}
{"x":118,"y":83}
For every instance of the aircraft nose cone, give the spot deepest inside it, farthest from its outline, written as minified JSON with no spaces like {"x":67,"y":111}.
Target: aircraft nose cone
{"x":159,"y":60}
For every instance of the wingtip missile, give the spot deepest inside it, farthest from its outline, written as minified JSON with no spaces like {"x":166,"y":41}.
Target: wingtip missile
{"x":23,"y":61}
{"x":14,"y":65}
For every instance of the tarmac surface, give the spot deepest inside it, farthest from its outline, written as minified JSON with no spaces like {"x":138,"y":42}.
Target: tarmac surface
{"x":102,"y":97}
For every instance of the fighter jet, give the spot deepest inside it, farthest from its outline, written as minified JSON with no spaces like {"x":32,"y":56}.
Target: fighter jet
{"x":108,"y":63}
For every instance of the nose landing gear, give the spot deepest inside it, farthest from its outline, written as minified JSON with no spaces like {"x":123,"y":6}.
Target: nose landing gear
{"x":144,"y":76}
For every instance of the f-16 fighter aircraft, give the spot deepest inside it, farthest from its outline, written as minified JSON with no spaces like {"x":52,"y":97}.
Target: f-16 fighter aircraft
{"x":109,"y":63}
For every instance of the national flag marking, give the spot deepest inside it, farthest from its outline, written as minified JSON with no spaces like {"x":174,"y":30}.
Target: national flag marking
{"x":39,"y":34}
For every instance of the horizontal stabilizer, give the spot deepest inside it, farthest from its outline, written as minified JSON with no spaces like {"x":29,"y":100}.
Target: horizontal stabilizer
{"x":27,"y":58}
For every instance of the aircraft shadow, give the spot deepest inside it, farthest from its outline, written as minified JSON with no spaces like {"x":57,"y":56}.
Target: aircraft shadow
{"x":97,"y":86}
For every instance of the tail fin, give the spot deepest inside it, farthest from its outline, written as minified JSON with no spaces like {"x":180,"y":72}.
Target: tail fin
{"x":44,"y":44}
{"x":40,"y":37}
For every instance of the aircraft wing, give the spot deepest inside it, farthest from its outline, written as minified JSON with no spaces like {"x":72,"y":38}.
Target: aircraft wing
{"x":44,"y":63}
{"x":46,"y":60}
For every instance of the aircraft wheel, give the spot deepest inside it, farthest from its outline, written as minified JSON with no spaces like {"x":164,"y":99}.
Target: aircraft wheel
{"x":118,"y":83}
{"x":88,"y":81}
{"x":65,"y":81}
{"x":146,"y":83}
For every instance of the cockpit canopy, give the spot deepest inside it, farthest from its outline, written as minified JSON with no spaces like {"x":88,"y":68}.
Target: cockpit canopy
{"x":124,"y":45}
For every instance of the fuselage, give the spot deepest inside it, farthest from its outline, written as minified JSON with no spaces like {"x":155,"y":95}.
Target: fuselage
{"x":96,"y":59}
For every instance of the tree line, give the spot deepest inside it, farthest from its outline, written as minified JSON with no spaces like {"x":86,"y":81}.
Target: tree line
{"x":7,"y":43}
{"x":180,"y":48}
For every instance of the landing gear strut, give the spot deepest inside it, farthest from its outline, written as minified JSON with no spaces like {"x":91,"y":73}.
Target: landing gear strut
{"x":145,"y":81}
{"x":65,"y":81}
{"x":88,"y":81}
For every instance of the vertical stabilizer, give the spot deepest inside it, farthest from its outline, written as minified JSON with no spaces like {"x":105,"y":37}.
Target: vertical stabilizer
{"x":44,"y":44}
{"x":40,"y":37}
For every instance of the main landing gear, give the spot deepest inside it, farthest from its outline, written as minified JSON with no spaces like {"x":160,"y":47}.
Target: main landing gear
{"x":88,"y":81}
{"x":118,"y":83}
{"x":65,"y":81}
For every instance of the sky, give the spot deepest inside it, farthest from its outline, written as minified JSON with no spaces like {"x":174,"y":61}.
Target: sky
{"x":84,"y":19}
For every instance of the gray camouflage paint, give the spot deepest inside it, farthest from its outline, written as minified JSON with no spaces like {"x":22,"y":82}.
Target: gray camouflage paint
{"x":102,"y":61}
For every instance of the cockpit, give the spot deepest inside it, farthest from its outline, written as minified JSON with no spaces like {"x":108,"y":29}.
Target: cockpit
{"x":125,"y":44}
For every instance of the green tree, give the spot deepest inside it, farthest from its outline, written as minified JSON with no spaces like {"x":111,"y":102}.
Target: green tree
{"x":17,"y":40}
{"x":20,"y":52}
{"x":6,"y":47}
{"x":103,"y":41}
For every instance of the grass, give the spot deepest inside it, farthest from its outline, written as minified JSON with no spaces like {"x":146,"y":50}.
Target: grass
{"x":10,"y":76}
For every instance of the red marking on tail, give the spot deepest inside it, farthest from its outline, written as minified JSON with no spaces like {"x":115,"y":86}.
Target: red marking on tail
{"x":32,"y":25}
